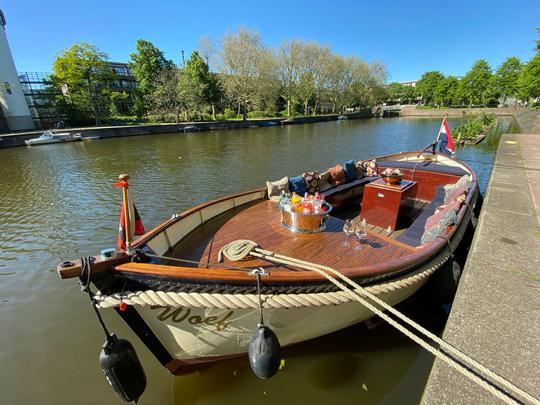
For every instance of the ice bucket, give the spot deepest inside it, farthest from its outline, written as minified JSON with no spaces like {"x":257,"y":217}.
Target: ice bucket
{"x":304,"y":223}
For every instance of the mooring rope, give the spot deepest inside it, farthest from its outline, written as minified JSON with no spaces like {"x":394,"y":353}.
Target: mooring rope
{"x":242,"y":249}
{"x":238,"y":251}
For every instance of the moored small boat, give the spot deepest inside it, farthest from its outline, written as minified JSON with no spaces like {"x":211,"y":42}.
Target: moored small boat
{"x":49,"y":137}
{"x":191,"y":306}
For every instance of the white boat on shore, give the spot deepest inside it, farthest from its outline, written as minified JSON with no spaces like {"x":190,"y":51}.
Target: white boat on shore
{"x":49,"y":137}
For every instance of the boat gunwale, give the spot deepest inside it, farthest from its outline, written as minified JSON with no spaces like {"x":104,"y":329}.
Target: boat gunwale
{"x":418,"y":256}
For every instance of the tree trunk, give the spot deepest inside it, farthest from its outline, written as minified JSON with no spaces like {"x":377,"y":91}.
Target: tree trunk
{"x":177,"y":116}
{"x":213,"y":111}
{"x":239,"y":108}
{"x":92,"y":101}
{"x":306,"y":107}
{"x":288,"y":107}
{"x":185,"y":115}
{"x":244,"y":115}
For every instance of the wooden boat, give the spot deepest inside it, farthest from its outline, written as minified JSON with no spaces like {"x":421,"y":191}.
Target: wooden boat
{"x":190,"y":309}
{"x":48,"y":137}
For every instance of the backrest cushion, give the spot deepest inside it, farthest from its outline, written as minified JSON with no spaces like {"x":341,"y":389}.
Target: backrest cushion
{"x":312,"y":181}
{"x":325,"y":181}
{"x":371,"y":168}
{"x":360,"y":174}
{"x":337,"y":175}
{"x":464,"y":181}
{"x":298,"y":185}
{"x":446,"y":216}
{"x":350,"y":171}
{"x":275,"y":187}
{"x":454,"y":194}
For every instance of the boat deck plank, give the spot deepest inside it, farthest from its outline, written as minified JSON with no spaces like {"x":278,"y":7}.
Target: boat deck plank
{"x":261,"y":222}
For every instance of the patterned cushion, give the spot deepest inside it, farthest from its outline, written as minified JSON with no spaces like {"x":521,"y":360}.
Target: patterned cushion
{"x":325,"y":181}
{"x":337,"y":175}
{"x":312,"y":182}
{"x":464,"y":181}
{"x":448,"y":217}
{"x":298,"y":185}
{"x":445,"y":214}
{"x":350,"y":171}
{"x":360,"y":170}
{"x":454,"y":194}
{"x":275,"y":187}
{"x":371,"y":168}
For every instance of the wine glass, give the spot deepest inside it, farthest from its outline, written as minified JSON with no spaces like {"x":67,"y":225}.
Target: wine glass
{"x":361,"y":232}
{"x":348,"y":229}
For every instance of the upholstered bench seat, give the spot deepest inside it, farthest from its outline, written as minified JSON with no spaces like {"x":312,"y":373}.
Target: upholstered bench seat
{"x":413,"y":235}
{"x":348,"y":186}
{"x":425,"y":166}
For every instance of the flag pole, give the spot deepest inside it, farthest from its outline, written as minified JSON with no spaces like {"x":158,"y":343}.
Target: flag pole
{"x":125,"y":198}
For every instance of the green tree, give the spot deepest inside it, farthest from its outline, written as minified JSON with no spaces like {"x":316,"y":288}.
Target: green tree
{"x":476,"y":84}
{"x":529,"y":79}
{"x":207,"y":82}
{"x":146,"y":62}
{"x":427,"y":86}
{"x":445,"y":92}
{"x":164,"y":99}
{"x":505,"y":80}
{"x":244,"y":60}
{"x":84,"y":76}
{"x":396,"y":92}
{"x":410,"y":93}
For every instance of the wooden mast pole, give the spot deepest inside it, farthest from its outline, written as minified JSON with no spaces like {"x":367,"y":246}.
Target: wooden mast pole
{"x":127,"y":216}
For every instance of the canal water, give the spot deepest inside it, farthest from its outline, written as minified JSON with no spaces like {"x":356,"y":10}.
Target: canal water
{"x":57,"y":202}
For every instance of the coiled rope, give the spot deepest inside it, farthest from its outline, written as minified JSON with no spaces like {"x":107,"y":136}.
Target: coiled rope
{"x":452,"y":356}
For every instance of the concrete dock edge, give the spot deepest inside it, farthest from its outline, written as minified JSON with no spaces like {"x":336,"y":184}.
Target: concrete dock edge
{"x":495,"y":317}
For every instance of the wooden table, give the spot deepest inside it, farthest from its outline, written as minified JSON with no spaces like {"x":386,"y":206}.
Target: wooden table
{"x":383,"y":203}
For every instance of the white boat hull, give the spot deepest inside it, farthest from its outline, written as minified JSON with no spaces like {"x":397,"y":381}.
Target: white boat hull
{"x":194,"y":334}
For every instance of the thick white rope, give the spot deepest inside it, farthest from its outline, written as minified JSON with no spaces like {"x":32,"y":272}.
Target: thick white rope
{"x":360,"y":291}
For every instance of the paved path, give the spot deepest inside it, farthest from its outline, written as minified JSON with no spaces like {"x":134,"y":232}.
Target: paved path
{"x":495,"y":317}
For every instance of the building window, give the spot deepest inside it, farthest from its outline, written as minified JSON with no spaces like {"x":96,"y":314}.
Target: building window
{"x":7,"y":87}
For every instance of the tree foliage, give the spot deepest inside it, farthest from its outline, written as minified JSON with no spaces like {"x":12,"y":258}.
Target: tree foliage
{"x":147,"y":62}
{"x":506,"y":78}
{"x":84,"y":76}
{"x":529,"y":79}
{"x":475,"y":86}
{"x":427,"y":85}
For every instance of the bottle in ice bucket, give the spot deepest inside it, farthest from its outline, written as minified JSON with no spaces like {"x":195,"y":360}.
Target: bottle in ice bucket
{"x":296,"y":202}
{"x":317,"y":203}
{"x":307,"y":205}
{"x":284,"y":201}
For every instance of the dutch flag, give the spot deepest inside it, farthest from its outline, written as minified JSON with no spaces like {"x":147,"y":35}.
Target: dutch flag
{"x":444,"y":139}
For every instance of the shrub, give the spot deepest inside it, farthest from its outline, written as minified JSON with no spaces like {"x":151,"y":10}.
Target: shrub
{"x":229,"y":114}
{"x":475,"y":124}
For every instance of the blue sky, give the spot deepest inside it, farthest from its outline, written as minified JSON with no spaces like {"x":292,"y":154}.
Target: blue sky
{"x":410,"y":37}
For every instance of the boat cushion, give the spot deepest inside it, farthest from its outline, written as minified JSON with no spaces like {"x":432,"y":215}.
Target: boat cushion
{"x":324,"y":181}
{"x":350,"y":171}
{"x":449,"y":218}
{"x":464,"y":181}
{"x":297,"y":185}
{"x":360,"y":170}
{"x":455,"y":194}
{"x":444,"y":212}
{"x":425,"y":166}
{"x":413,"y":235}
{"x":275,"y":188}
{"x":312,"y":181}
{"x":337,"y":175}
{"x":371,"y":168}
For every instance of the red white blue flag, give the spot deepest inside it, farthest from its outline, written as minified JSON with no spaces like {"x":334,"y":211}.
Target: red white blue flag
{"x":444,"y":138}
{"x":136,"y":226}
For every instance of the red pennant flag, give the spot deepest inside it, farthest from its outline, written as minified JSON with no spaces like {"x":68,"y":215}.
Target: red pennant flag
{"x":136,"y":225}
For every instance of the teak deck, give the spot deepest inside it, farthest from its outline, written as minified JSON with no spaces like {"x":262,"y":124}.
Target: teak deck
{"x":261,"y":222}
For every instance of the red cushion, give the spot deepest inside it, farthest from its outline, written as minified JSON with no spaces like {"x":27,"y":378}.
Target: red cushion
{"x":337,"y":175}
{"x":458,"y":191}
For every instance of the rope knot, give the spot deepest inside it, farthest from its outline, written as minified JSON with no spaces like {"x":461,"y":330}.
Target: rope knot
{"x":237,"y":250}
